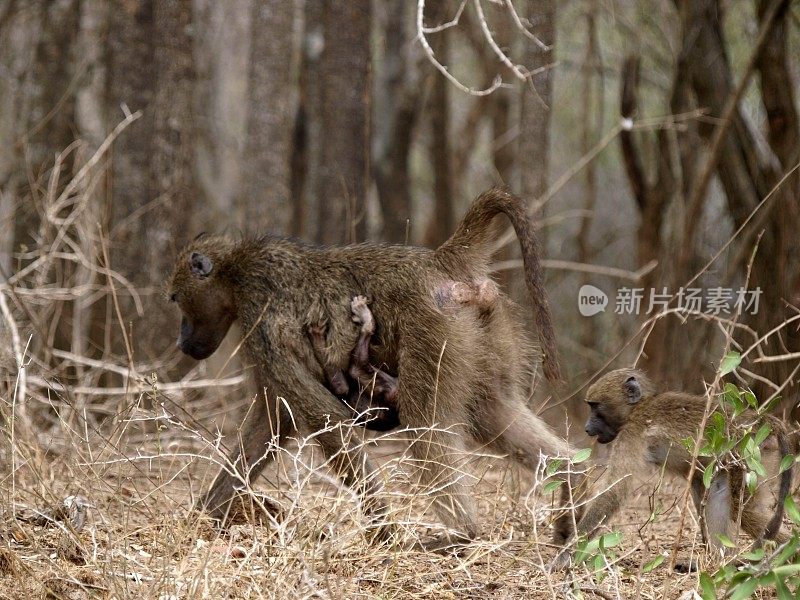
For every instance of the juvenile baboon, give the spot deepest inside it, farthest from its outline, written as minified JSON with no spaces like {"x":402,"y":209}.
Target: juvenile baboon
{"x":647,"y":430}
{"x":462,"y":374}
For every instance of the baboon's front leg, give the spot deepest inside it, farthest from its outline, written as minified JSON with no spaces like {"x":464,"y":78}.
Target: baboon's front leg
{"x":261,"y":430}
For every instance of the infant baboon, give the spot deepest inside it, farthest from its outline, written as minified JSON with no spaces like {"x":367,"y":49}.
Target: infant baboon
{"x":647,"y":430}
{"x":463,"y":373}
{"x":370,"y":393}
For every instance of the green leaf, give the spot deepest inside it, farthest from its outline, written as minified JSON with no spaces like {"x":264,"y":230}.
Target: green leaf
{"x":553,"y":466}
{"x":787,"y":569}
{"x":653,"y":564}
{"x":791,"y":510}
{"x":726,"y":541}
{"x":744,"y":589}
{"x":599,"y":568}
{"x":750,"y":397}
{"x":718,"y":419}
{"x":730,"y":392}
{"x":787,"y":555}
{"x":730,"y":362}
{"x":754,"y":555}
{"x":708,"y":592}
{"x":581,"y":456}
{"x":780,"y":587}
{"x":609,"y":540}
{"x":708,"y":474}
{"x":752,"y":482}
{"x":763,"y":433}
{"x":770,"y":406}
{"x":551,"y":486}
{"x":786,"y":463}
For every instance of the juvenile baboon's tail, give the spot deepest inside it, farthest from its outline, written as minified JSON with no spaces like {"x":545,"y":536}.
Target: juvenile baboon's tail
{"x":785,"y":448}
{"x":472,"y":237}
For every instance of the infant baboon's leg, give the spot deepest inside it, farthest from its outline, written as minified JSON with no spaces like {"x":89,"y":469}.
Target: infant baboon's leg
{"x":362,"y":315}
{"x":383,"y":387}
{"x":335,"y":377}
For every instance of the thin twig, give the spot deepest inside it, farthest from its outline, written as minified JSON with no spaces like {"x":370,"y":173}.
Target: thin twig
{"x":498,"y":81}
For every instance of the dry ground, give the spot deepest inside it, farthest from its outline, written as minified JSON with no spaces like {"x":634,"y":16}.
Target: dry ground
{"x":141,"y":541}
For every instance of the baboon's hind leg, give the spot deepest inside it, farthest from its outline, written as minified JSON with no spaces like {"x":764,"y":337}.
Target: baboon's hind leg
{"x":432,"y":397}
{"x":514,"y":429}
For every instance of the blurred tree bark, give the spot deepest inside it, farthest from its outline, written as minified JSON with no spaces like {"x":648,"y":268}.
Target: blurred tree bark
{"x":748,"y":167}
{"x":48,"y":94}
{"x":152,"y":178}
{"x":343,"y":107}
{"x":307,"y":151}
{"x":443,"y":218}
{"x":19,"y":30}
{"x":398,"y":95}
{"x":264,"y":196}
{"x":536,"y":102}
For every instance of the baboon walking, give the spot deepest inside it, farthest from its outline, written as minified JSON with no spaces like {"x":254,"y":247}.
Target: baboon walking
{"x":462,"y":371}
{"x":647,"y":430}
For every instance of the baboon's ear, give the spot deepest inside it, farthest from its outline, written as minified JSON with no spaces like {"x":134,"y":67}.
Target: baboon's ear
{"x":633,"y":390}
{"x":200,"y":264}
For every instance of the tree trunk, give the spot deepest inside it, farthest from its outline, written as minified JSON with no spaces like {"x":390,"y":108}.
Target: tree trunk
{"x":537,"y":98}
{"x":397,"y":102}
{"x":264,"y":198}
{"x":152,"y":178}
{"x":443,"y":219}
{"x":343,"y":173}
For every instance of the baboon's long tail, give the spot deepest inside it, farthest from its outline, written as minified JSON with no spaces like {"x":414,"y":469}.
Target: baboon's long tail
{"x":774,"y":525}
{"x":472,"y":236}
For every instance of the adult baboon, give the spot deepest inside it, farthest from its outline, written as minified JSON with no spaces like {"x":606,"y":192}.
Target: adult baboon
{"x":647,"y":430}
{"x":462,"y":373}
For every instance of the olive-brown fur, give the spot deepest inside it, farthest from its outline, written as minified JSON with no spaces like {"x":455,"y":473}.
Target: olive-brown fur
{"x":460,"y":370}
{"x":646,"y":431}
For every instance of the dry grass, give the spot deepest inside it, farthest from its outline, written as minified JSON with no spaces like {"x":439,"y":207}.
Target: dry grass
{"x":141,"y":540}
{"x":138,"y":451}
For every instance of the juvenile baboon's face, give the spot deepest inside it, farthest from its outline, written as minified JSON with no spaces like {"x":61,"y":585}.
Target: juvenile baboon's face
{"x":611,"y":400}
{"x":602,"y":423}
{"x":206,"y":304}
